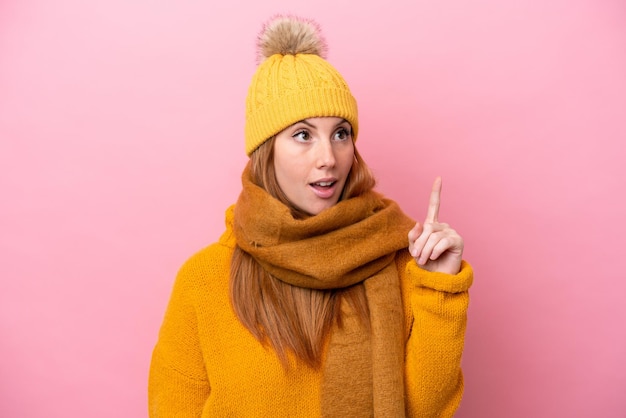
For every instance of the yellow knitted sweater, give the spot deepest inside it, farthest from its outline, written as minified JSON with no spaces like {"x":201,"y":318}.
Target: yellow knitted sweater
{"x":206,"y":364}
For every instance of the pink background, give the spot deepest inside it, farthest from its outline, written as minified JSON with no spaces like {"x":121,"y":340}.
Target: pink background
{"x":121,"y":145}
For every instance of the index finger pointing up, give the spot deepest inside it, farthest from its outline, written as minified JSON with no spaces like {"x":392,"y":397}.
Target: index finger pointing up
{"x":433,"y":206}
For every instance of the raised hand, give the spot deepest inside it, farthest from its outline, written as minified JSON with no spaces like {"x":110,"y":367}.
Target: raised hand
{"x":434,"y":245}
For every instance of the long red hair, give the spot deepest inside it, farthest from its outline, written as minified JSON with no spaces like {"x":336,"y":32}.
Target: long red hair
{"x":292,"y":319}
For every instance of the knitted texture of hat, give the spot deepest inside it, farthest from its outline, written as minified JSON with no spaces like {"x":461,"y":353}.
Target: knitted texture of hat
{"x":293,"y":82}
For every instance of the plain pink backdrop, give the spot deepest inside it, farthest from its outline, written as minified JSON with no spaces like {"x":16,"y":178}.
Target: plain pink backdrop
{"x":121,"y":127}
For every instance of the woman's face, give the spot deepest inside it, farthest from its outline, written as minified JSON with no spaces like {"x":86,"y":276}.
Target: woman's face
{"x":312,"y":160}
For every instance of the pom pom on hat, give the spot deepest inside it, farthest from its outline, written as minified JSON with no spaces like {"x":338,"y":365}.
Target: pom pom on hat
{"x":290,"y":35}
{"x":293,"y":81}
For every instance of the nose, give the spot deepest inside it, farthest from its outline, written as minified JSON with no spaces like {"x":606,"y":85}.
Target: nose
{"x":325,"y":154}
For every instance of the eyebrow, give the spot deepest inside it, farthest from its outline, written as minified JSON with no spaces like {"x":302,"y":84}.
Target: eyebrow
{"x":306,"y":122}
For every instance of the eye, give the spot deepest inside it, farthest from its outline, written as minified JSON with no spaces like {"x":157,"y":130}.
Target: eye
{"x":342,"y":134}
{"x":301,"y":136}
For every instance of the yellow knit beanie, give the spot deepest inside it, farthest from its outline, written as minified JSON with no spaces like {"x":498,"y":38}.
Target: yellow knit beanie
{"x":293,"y":82}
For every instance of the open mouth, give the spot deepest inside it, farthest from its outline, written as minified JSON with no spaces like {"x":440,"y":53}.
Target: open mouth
{"x":324,"y":189}
{"x":324,"y":184}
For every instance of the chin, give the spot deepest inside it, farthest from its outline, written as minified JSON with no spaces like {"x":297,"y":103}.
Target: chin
{"x":316,"y":210}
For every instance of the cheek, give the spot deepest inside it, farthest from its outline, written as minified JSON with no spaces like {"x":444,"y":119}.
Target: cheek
{"x":286,"y":172}
{"x":347,"y":159}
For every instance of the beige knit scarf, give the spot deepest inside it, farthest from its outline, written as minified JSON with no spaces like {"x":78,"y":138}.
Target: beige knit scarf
{"x":355,"y":241}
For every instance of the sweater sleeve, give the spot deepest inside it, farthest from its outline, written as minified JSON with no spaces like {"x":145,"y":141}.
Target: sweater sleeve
{"x":178,"y":385}
{"x":435,"y":306}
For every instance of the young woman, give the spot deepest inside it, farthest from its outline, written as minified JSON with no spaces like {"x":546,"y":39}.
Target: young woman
{"x":313,"y":302}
